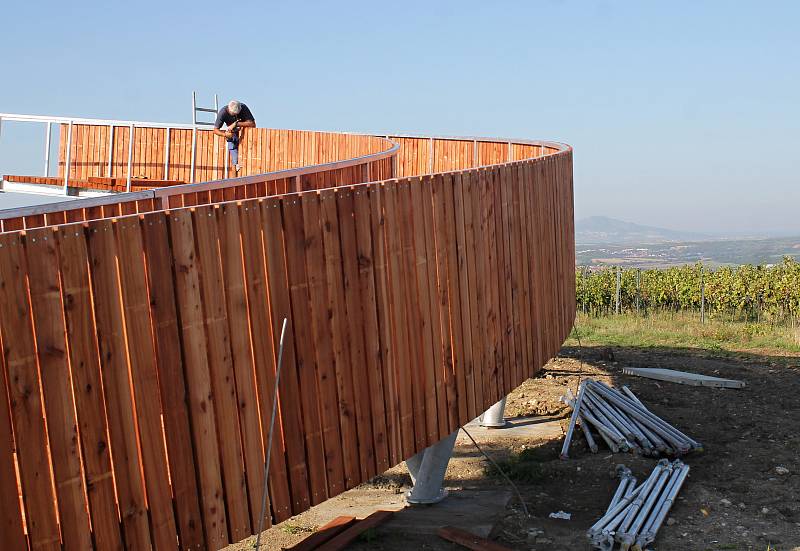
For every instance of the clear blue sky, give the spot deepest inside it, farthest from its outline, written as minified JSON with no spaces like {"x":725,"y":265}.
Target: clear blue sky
{"x":682,"y":114}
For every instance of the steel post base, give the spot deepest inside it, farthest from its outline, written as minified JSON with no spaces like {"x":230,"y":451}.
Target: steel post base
{"x":427,"y":470}
{"x":493,"y":417}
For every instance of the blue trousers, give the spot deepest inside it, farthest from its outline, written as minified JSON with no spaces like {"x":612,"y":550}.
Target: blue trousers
{"x":233,"y":147}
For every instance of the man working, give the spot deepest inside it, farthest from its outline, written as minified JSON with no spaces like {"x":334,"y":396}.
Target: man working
{"x":235,"y":115}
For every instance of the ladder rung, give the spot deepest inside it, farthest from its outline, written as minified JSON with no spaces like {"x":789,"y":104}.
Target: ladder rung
{"x":205,"y":109}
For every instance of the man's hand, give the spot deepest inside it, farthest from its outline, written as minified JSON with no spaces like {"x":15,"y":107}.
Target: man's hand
{"x":228,"y":134}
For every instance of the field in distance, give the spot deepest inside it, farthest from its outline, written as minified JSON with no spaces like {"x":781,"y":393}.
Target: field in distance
{"x":711,"y":253}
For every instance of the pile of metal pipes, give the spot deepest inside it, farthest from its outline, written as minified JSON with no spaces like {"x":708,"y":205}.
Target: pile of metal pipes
{"x":636,"y":513}
{"x":623,"y":422}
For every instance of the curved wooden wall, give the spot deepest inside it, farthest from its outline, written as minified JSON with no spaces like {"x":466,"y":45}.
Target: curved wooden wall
{"x":139,"y":351}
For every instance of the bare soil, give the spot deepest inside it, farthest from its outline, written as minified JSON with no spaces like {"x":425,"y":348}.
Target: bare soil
{"x":734,"y":497}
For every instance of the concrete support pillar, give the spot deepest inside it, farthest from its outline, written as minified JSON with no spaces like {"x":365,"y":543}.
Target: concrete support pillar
{"x":493,"y":417}
{"x":427,"y":470}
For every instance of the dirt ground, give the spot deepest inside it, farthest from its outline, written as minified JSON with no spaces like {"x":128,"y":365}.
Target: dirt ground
{"x":738,"y":494}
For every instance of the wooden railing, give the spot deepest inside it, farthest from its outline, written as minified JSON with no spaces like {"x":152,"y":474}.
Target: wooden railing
{"x":139,"y":351}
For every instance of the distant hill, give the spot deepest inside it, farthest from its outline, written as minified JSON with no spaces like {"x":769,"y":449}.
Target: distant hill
{"x":605,"y":230}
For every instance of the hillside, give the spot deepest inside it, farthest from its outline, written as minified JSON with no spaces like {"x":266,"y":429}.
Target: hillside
{"x":602,"y":229}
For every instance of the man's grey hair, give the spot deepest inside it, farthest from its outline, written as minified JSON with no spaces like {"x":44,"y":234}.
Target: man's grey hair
{"x":234,"y":107}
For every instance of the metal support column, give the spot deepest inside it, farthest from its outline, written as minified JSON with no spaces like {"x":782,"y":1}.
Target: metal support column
{"x":493,"y":417}
{"x":47,"y":149}
{"x":427,"y":470}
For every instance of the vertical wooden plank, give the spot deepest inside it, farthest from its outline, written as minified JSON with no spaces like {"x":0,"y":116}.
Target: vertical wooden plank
{"x":290,"y":396}
{"x":241,"y":353}
{"x":463,"y":214}
{"x":223,"y":384}
{"x":377,"y":199}
{"x":355,"y":318}
{"x":116,"y":383}
{"x":263,"y":344}
{"x":141,"y":354}
{"x":473,"y":255}
{"x":201,"y":398}
{"x":454,"y":296}
{"x":51,"y":347}
{"x":372,"y":341}
{"x":415,"y":367}
{"x":533,"y":257}
{"x":524,"y":277}
{"x":26,"y":404}
{"x":86,"y":382}
{"x":490,"y":285}
{"x":334,"y":287}
{"x":436,"y":315}
{"x":440,"y":209}
{"x":512,"y":315}
{"x":12,"y":535}
{"x":401,"y":364}
{"x":326,"y":377}
{"x":426,"y":318}
{"x":169,"y":364}
{"x":303,"y":343}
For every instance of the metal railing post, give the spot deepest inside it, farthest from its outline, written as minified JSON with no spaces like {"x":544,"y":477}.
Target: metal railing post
{"x":166,"y":155}
{"x":68,"y":159}
{"x":130,"y":160}
{"x":194,"y":135}
{"x":110,"y":150}
{"x":47,"y":150}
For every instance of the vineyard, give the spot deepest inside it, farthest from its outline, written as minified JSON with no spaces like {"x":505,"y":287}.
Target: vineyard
{"x":742,"y":293}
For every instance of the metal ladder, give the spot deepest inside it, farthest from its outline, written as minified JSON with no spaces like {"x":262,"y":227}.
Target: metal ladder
{"x":195,"y":123}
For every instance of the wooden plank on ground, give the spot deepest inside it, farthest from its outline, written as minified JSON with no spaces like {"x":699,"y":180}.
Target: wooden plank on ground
{"x":350,"y":534}
{"x":468,"y":540}
{"x":323,"y":534}
{"x":172,"y":385}
{"x":198,"y":377}
{"x":23,"y":392}
{"x":51,"y":346}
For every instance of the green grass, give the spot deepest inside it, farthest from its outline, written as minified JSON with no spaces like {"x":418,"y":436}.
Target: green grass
{"x":683,"y":330}
{"x":524,"y":467}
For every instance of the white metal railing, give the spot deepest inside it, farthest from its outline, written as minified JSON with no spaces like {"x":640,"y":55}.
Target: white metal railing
{"x":111,"y":123}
